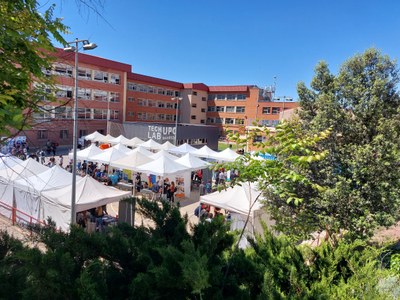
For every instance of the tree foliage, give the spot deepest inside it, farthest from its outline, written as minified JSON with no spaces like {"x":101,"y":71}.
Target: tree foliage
{"x":25,"y":44}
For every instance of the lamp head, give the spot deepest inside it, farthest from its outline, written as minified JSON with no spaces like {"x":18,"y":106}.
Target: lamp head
{"x":69,"y":49}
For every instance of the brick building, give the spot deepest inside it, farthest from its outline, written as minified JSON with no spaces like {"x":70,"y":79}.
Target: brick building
{"x":112,"y":97}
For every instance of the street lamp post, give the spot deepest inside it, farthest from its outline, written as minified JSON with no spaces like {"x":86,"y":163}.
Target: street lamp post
{"x":176,"y":118}
{"x":73,"y":47}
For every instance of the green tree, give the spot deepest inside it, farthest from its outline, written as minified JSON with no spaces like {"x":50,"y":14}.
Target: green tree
{"x":360,"y":174}
{"x":25,"y":43}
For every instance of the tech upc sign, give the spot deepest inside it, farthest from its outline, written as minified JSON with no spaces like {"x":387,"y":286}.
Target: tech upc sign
{"x":161,"y":133}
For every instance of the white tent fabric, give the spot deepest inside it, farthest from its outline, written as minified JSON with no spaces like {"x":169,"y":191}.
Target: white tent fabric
{"x":206,"y":152}
{"x":104,"y":139}
{"x":131,"y":161}
{"x":183,"y":149}
{"x":89,"y":194}
{"x":133,"y":142}
{"x":192,"y":162}
{"x":26,"y":168}
{"x":108,"y":155}
{"x":142,"y":150}
{"x":54,"y":177}
{"x":162,"y":166}
{"x":95,"y":136}
{"x":227,"y":155}
{"x":122,"y":148}
{"x":86,"y":153}
{"x":168,"y":146}
{"x":239,"y":199}
{"x":119,"y":140}
{"x":7,"y":161}
{"x":163,"y":153}
{"x":151,"y":144}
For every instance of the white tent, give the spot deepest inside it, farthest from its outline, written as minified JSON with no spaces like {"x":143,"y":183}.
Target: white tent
{"x":122,"y":148}
{"x":54,"y":177}
{"x":89,"y":193}
{"x":227,"y":155}
{"x":119,"y":140}
{"x":163,"y":166}
{"x":86,"y":153}
{"x":168,"y":146}
{"x":26,"y":168}
{"x":108,"y":155}
{"x":163,"y":153}
{"x":103,"y":139}
{"x":151,"y":144}
{"x":142,"y":150}
{"x":7,"y":161}
{"x":183,"y":149}
{"x":239,"y":199}
{"x":206,"y":152}
{"x":95,"y":136}
{"x":133,"y":142}
{"x":192,"y":162}
{"x":131,"y":161}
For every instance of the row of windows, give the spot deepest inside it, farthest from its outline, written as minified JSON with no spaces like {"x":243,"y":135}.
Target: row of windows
{"x":63,"y":112}
{"x":267,"y":110}
{"x":152,"y":116}
{"x":87,"y":94}
{"x":64,"y":133}
{"x":152,"y":89}
{"x":230,"y":121}
{"x":84,"y":73}
{"x":153,"y":103}
{"x":229,"y":97}
{"x":228,"y":109}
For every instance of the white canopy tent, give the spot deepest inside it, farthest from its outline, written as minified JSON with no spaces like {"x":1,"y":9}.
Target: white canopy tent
{"x":206,"y":152}
{"x":192,"y":162}
{"x":151,"y":144}
{"x":134,"y":142}
{"x":7,"y":161}
{"x":163,"y":153}
{"x":131,"y":161}
{"x":107,"y":156}
{"x":163,"y":166}
{"x":183,"y":149}
{"x":103,"y":139}
{"x":142,"y":150}
{"x":119,"y":140}
{"x":86,"y":153}
{"x":26,"y":168}
{"x":122,"y":148}
{"x":89,"y":194}
{"x":94,"y":137}
{"x":227,"y":155}
{"x":168,"y":146}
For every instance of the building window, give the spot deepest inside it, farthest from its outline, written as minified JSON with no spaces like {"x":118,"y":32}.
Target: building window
{"x":114,"y":114}
{"x":193,"y":117}
{"x":221,"y":97}
{"x":240,"y":109}
{"x":151,"y":90}
{"x":160,"y":91}
{"x":239,"y":121}
{"x":114,"y":78}
{"x":141,"y":116}
{"x":84,"y":94}
{"x":177,"y":94}
{"x":231,"y":97}
{"x":241,"y":97}
{"x":230,"y":109}
{"x":203,"y":99}
{"x":161,"y":117}
{"x":170,"y":105}
{"x":99,"y":95}
{"x":84,"y":113}
{"x":42,"y":134}
{"x":63,"y":134}
{"x":194,"y":93}
{"x":131,"y":99}
{"x":170,"y":93}
{"x":211,"y":97}
{"x":202,"y":121}
{"x":84,"y":74}
{"x":131,"y":114}
{"x":194,"y":105}
{"x":141,"y":102}
{"x":211,"y":120}
{"x":276,"y":110}
{"x":101,"y":76}
{"x":220,"y":108}
{"x":229,"y":121}
{"x":266,"y":110}
{"x":114,"y":96}
{"x":132,"y":86}
{"x":100,"y":114}
{"x":219,"y":120}
{"x":62,"y":70}
{"x":203,"y":110}
{"x":63,"y":112}
{"x":211,"y":108}
{"x":63,"y":92}
{"x":161,"y":104}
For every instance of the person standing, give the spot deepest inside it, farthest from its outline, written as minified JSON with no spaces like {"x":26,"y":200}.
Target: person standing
{"x":171,"y":192}
{"x":61,"y":161}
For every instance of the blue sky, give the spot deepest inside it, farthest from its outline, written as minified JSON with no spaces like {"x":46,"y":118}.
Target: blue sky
{"x":230,"y":42}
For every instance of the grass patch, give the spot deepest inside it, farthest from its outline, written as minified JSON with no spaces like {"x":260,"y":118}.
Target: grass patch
{"x":223,"y":145}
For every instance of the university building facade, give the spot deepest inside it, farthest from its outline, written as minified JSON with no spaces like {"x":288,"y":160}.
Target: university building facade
{"x":112,"y":99}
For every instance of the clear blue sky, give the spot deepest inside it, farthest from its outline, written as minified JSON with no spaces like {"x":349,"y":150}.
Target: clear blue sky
{"x":229,"y":42}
